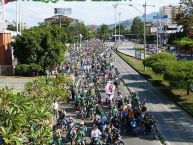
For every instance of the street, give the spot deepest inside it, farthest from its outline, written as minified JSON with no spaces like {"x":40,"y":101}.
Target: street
{"x":128,"y":49}
{"x":174,"y":124}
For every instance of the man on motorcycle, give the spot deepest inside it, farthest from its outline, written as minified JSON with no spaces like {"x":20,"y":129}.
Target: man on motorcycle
{"x":119,"y":100}
{"x":81,"y":134}
{"x":95,"y":135}
{"x":135,"y":100}
{"x":114,"y":111}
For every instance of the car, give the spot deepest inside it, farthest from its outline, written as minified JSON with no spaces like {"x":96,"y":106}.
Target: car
{"x":152,"y":49}
{"x":176,"y":53}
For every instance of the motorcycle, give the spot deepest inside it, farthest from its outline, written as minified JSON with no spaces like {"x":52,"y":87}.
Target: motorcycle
{"x":150,"y":127}
{"x":116,"y":139}
{"x":96,"y":141}
{"x":71,"y":134}
{"x":133,"y":126}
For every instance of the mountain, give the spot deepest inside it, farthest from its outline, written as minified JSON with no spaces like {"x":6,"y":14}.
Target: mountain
{"x":127,"y":23}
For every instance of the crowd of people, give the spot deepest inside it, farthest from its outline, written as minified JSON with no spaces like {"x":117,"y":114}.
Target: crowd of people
{"x":96,"y":96}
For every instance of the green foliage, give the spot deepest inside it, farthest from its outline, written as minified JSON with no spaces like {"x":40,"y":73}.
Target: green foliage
{"x":179,"y":74}
{"x":28,"y":70}
{"x":11,"y":27}
{"x":122,"y":29}
{"x":27,"y":115}
{"x":185,"y":41}
{"x":158,"y":58}
{"x":103,"y":32}
{"x":185,"y":16}
{"x":43,"y":45}
{"x":137,"y":27}
{"x":160,"y":67}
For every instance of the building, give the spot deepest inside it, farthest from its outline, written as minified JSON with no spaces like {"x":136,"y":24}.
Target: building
{"x":60,"y":20}
{"x":171,"y":12}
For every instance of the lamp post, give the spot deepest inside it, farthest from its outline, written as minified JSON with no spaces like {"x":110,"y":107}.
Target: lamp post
{"x":115,"y":6}
{"x":119,"y":27}
{"x":144,"y":15}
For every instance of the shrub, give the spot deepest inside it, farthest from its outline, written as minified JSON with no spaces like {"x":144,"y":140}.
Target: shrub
{"x":158,"y":58}
{"x":160,"y":67}
{"x":22,"y":70}
{"x":28,"y":70}
{"x":180,"y":74}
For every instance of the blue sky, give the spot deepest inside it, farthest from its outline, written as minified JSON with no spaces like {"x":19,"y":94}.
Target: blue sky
{"x":89,"y":12}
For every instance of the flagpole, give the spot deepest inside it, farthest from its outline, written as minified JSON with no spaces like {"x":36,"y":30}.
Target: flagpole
{"x":20,"y":16}
{"x":3,"y":2}
{"x":17,"y":17}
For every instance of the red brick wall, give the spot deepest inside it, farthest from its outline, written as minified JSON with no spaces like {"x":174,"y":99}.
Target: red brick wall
{"x":5,"y":49}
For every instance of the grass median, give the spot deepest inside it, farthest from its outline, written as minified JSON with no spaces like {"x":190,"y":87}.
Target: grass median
{"x":178,"y":95}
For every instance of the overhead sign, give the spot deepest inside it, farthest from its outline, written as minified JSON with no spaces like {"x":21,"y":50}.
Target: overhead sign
{"x":162,"y":17}
{"x":63,"y":11}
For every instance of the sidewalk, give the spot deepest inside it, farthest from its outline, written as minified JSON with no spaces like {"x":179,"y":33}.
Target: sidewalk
{"x":128,"y":48}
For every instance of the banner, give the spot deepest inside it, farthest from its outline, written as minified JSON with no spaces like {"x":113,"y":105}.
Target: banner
{"x":63,"y":11}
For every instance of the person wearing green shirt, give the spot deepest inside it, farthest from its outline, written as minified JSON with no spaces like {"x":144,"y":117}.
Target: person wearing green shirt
{"x":91,"y":107}
{"x":114,"y":111}
{"x":81,"y":134}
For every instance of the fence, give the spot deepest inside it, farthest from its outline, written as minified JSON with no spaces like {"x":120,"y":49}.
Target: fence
{"x":6,"y":70}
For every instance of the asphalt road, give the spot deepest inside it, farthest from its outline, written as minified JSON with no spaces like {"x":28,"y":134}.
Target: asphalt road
{"x":128,"y":139}
{"x":174,"y":124}
{"x":128,"y":48}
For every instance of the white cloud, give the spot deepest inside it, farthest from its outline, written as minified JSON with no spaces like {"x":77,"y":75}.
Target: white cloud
{"x":89,"y":12}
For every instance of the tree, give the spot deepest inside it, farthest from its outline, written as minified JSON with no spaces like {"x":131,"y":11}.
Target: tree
{"x":103,"y":32}
{"x":137,"y":27}
{"x":11,"y":27}
{"x":43,"y":45}
{"x":185,"y":16}
{"x":122,"y":29}
{"x":185,"y":41}
{"x":180,"y":74}
{"x":154,"y":58}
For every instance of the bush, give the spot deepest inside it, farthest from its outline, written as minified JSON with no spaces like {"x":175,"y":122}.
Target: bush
{"x":28,"y":70}
{"x":35,"y":69}
{"x":160,"y":67}
{"x":158,"y":58}
{"x":180,"y":73}
{"x":22,"y":70}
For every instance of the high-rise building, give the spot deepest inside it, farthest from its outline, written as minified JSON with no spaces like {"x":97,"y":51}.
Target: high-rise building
{"x":171,"y":12}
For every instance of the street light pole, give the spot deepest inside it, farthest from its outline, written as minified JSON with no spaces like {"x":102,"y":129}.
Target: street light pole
{"x":145,"y":5}
{"x":119,"y":27}
{"x":115,"y":6}
{"x":157,"y":34}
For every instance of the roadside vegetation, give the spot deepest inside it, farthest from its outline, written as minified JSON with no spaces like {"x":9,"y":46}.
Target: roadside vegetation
{"x":170,"y":76}
{"x":26,"y":116}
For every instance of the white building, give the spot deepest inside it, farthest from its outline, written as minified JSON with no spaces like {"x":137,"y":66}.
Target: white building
{"x":171,"y":12}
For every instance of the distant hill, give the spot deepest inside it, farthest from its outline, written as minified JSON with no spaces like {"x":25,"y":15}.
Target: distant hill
{"x":127,"y":23}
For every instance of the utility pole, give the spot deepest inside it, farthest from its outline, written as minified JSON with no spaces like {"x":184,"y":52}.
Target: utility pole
{"x":145,"y":5}
{"x":115,"y":6}
{"x":157,"y":34}
{"x":119,"y":28}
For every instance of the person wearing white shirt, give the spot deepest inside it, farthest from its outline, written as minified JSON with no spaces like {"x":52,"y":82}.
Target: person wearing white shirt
{"x":55,"y":107}
{"x":95,"y":133}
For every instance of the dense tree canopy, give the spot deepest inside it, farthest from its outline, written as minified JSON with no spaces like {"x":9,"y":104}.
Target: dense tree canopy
{"x":185,"y":16}
{"x":43,"y":45}
{"x":122,"y":29}
{"x":103,"y":32}
{"x":180,"y":74}
{"x":154,"y":58}
{"x":137,"y":27}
